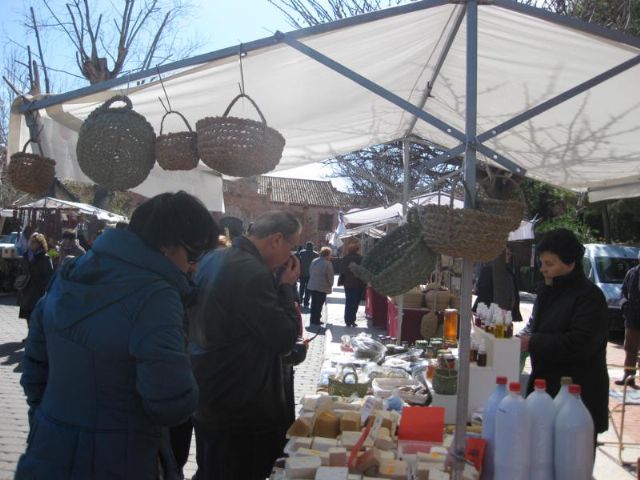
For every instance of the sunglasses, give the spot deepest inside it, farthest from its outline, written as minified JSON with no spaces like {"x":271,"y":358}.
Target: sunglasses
{"x":193,"y":255}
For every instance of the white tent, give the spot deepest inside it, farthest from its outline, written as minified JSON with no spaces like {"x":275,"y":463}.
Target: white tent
{"x":99,"y":213}
{"x":525,"y":57}
{"x":533,"y":92}
{"x":382,"y":214}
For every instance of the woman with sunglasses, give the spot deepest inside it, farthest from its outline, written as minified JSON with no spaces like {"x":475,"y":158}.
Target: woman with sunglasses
{"x":105,"y":368}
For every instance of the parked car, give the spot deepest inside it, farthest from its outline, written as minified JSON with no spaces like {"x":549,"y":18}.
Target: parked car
{"x":606,"y":265}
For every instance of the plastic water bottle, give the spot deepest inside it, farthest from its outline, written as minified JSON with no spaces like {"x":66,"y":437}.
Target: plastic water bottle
{"x":573,"y":439}
{"x":563,"y":393}
{"x":489,"y":425}
{"x":511,"y":455}
{"x":541,"y":412}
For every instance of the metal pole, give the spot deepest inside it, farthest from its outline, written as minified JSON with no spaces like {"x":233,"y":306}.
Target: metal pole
{"x":467,"y":267}
{"x":406,"y":157}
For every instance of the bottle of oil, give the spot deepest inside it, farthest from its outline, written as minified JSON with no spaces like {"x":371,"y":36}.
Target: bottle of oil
{"x":482,"y":355}
{"x":498,"y":331}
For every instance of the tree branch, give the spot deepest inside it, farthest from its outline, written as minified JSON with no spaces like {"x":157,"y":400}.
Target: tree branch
{"x":44,"y":66}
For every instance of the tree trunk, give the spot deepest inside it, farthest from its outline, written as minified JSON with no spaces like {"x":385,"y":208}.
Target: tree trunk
{"x":606,"y":224}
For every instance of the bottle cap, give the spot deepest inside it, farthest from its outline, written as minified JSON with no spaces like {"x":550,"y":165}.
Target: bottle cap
{"x":514,"y":387}
{"x":566,"y":380}
{"x":574,"y":389}
{"x":540,"y":383}
{"x":501,"y":380}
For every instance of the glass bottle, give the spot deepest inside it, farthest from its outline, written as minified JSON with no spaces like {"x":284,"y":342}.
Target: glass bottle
{"x":482,"y":355}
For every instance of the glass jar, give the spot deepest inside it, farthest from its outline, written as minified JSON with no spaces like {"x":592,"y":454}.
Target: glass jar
{"x":451,"y":325}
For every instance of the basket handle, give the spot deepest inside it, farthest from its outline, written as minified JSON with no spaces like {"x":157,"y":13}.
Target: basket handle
{"x":238,"y":97}
{"x":351,"y":373}
{"x":177,"y":113}
{"x":118,"y":98}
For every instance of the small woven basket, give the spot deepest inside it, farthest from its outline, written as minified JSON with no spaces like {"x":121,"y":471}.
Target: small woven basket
{"x":337,"y":386}
{"x":239,"y":147}
{"x":179,"y":150}
{"x":399,"y":261}
{"x":31,"y":173}
{"x":116,"y":146}
{"x":445,"y":381}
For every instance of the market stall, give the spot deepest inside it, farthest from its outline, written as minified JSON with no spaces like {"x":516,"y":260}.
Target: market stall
{"x":567,"y":80}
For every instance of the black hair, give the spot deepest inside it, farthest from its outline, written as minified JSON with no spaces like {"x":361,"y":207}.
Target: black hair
{"x":564,"y":244}
{"x":174,"y":219}
{"x":233,"y":225}
{"x":309,"y":246}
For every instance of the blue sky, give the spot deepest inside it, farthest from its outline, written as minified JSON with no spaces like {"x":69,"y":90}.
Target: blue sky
{"x":215,"y":23}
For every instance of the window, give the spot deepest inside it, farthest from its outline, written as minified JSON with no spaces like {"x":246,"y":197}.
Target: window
{"x":325,"y":222}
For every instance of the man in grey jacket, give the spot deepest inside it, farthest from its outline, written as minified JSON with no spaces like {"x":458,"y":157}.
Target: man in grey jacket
{"x":320,"y":283}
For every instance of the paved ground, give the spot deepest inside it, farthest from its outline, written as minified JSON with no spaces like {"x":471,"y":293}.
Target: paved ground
{"x":13,"y":413}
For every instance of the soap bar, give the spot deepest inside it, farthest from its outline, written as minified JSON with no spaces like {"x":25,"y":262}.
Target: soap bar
{"x":393,"y":469}
{"x":295,"y":443}
{"x":350,"y":421}
{"x":437,"y":474}
{"x":324,"y":444}
{"x":384,"y":440}
{"x":383,"y":455}
{"x":302,"y":467}
{"x":309,"y":452}
{"x":327,"y":425}
{"x":332,"y":473}
{"x":338,"y":457}
{"x":300,"y":428}
{"x":349,"y":440}
{"x":387,"y":419}
{"x":367,"y":462}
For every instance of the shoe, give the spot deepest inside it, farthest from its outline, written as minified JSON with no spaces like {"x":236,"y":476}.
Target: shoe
{"x":628,"y":380}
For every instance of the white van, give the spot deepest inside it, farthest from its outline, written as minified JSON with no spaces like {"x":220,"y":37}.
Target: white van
{"x":606,"y":265}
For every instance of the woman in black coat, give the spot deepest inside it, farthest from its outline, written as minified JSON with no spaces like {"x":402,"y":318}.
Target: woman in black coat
{"x":37,"y":264}
{"x":353,"y":286}
{"x":569,"y":327}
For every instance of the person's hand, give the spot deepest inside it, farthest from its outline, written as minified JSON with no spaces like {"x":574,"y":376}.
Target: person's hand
{"x":524,"y":343}
{"x":291,"y":270}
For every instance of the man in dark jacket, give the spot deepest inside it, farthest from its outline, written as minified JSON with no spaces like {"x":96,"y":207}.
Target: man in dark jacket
{"x":569,"y":327}
{"x":631,"y":315}
{"x":242,"y":326}
{"x":306,"y":256}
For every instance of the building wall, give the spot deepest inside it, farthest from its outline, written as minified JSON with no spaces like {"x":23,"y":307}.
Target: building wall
{"x":243,"y":201}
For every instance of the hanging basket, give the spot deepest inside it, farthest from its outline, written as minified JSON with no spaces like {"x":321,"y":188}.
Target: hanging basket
{"x":179,"y":150}
{"x":399,"y":261}
{"x":31,"y":173}
{"x":116,"y":146}
{"x":239,"y":147}
{"x":478,"y":234}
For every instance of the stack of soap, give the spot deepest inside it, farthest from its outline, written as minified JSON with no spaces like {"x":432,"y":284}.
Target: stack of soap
{"x":350,"y":421}
{"x":302,"y":467}
{"x":327,"y":425}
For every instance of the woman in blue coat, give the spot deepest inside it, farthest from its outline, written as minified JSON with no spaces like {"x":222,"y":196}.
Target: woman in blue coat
{"x":105,"y":367}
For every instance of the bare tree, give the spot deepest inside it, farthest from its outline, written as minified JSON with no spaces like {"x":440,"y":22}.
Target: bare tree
{"x":306,"y":13}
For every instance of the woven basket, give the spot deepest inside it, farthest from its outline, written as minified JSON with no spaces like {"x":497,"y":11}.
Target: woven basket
{"x":239,"y":147}
{"x":31,"y":173}
{"x":399,"y":261}
{"x":337,"y":386}
{"x":445,"y":381}
{"x":116,"y":146}
{"x":179,"y":150}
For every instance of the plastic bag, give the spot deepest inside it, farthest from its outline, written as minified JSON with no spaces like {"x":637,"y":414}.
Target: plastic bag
{"x":366,"y":347}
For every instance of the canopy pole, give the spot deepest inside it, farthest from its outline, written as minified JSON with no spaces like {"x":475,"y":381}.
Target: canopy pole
{"x":467,"y":266}
{"x":406,"y":158}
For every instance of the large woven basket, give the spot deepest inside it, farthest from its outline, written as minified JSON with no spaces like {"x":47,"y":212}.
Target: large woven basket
{"x":178,"y":150}
{"x":239,"y":147}
{"x":116,"y":146}
{"x":399,"y":261}
{"x":478,"y":234}
{"x":445,"y":381}
{"x":31,"y":173}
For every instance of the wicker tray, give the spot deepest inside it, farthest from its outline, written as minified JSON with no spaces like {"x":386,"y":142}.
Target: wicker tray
{"x":239,"y":147}
{"x":337,"y":386}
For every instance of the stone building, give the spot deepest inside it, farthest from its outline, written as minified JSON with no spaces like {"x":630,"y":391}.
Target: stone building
{"x":316,"y":203}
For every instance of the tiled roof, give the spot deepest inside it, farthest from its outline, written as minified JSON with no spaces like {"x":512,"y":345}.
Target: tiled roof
{"x":297,"y":191}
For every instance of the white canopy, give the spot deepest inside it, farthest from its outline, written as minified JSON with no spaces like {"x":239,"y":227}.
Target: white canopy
{"x":384,"y":214}
{"x":100,"y":214}
{"x":525,"y":57}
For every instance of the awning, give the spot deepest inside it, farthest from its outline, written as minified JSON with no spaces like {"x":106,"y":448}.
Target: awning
{"x":526,"y":57}
{"x":100,"y":214}
{"x":394,"y":212}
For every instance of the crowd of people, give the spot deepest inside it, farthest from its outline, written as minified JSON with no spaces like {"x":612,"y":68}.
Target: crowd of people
{"x":178,"y":324}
